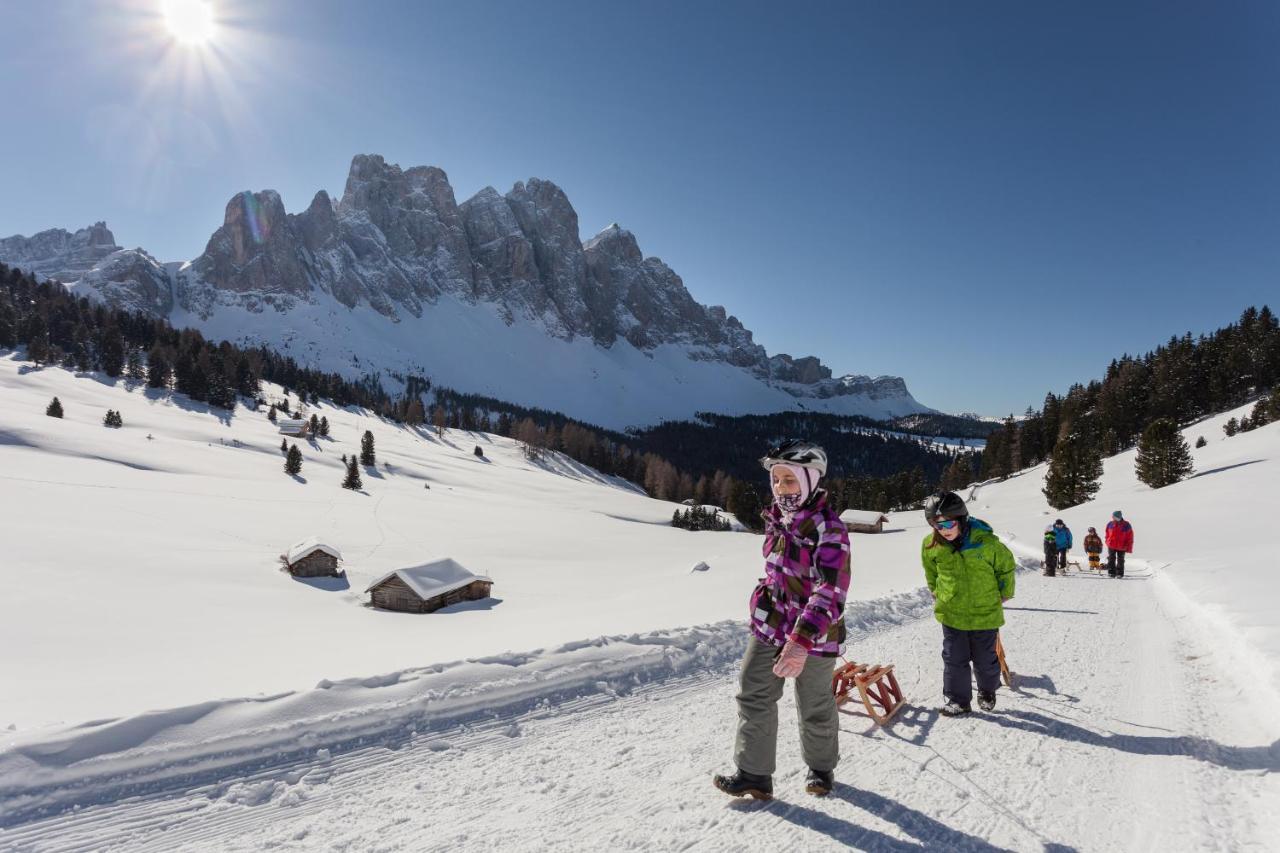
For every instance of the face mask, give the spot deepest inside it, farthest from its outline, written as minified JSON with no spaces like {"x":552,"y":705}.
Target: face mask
{"x":790,"y":503}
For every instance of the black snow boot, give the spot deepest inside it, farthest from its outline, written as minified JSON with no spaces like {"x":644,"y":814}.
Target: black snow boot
{"x":741,"y":782}
{"x":954,"y":709}
{"x":819,"y":782}
{"x":987,"y":701}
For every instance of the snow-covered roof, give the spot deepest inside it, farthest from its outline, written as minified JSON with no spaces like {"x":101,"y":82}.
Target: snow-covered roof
{"x":291,"y":425}
{"x":307,"y":546}
{"x":861,"y":516}
{"x":434,"y":578}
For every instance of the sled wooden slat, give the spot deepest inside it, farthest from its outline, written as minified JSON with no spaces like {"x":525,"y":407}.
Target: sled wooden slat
{"x":1005,"y":675}
{"x":876,"y":686}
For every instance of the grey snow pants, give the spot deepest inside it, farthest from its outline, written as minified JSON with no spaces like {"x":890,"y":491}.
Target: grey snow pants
{"x":756,"y":747}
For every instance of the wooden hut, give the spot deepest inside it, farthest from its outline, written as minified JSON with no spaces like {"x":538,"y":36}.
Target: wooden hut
{"x":863,"y":521}
{"x":422,"y":589}
{"x":289,"y":426}
{"x":312,"y":558}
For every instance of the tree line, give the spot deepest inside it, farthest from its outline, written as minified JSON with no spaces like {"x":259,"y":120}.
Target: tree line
{"x":1142,"y":401}
{"x":711,"y":460}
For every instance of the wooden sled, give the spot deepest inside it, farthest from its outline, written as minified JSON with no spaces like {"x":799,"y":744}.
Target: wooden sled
{"x":877,"y":686}
{"x":1005,"y":675}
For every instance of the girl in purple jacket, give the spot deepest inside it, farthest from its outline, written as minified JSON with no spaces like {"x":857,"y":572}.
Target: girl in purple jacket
{"x":797,"y":627}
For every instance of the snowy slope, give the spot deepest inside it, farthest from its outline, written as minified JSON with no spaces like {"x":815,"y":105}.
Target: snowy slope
{"x":142,"y":574}
{"x":589,"y":718}
{"x":1207,"y":534}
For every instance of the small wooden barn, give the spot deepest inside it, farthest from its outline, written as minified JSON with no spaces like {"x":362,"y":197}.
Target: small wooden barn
{"x":289,"y":426}
{"x":312,"y":558}
{"x":422,"y":589}
{"x":863,"y":521}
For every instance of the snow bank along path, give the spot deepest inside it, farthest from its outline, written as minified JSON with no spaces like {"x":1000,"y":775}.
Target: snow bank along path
{"x":1123,"y":734}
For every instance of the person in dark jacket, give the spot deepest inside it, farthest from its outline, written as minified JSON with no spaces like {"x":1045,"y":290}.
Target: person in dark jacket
{"x":1119,"y":543}
{"x":1093,"y":547}
{"x":1062,"y":534}
{"x":970,"y":573}
{"x":1050,"y":552}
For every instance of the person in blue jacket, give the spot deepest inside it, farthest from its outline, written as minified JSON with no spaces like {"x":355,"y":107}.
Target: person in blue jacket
{"x":1062,"y":534}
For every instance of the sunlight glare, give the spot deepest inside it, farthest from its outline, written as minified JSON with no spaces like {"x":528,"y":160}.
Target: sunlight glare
{"x":189,"y":21}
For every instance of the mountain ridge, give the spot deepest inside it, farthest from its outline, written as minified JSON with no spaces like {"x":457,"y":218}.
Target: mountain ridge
{"x":398,"y":245}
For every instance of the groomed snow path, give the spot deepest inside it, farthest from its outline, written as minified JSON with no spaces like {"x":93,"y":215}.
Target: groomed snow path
{"x":1127,"y":731}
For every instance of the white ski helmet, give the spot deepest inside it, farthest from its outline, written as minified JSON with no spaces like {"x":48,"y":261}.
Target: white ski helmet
{"x":805,"y":454}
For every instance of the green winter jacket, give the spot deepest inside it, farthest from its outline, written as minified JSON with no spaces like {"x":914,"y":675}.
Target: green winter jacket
{"x":968,"y":577}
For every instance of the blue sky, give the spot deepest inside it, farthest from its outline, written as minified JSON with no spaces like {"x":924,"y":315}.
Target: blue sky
{"x":991,"y":200}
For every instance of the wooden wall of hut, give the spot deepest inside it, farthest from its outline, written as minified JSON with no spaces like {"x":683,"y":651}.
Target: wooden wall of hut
{"x":314,"y":565}
{"x":395,"y":594}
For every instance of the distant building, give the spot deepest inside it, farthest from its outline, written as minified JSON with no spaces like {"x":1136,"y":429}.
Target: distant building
{"x":422,"y":589}
{"x":864,"y":521}
{"x":312,"y":558}
{"x":289,"y":426}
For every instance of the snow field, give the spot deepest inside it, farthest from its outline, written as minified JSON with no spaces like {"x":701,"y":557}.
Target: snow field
{"x":1144,"y":716}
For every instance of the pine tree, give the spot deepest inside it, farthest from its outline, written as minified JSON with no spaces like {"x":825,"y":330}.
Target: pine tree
{"x":1231,"y":427}
{"x":284,"y":446}
{"x":293,"y":461}
{"x":1200,"y":442}
{"x":159,"y":371}
{"x":1110,"y":443}
{"x":352,"y":480}
{"x":133,"y":369}
{"x":367,"y":456}
{"x":1273,"y":403}
{"x":271,"y":413}
{"x":744,"y":503}
{"x":1260,"y":416}
{"x":54,"y":409}
{"x":1075,"y":472}
{"x":111,"y":353}
{"x":113,"y":419}
{"x":479,"y":452}
{"x":1163,"y":455}
{"x":314,"y":425}
{"x":324,"y":426}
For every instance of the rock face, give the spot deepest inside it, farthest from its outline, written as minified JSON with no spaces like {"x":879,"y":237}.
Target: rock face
{"x":59,"y":254}
{"x":398,"y":241}
{"x":132,"y":280}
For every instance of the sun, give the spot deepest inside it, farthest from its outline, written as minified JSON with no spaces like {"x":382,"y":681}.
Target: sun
{"x":189,"y":21}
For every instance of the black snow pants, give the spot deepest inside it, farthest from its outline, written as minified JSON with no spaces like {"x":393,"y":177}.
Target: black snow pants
{"x":962,"y":649}
{"x":1115,"y":563}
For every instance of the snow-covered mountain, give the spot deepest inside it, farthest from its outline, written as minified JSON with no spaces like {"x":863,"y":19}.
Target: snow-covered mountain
{"x":497,"y":295}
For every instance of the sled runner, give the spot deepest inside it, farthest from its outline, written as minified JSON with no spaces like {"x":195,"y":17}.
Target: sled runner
{"x":1005,"y":675}
{"x":877,"y":686}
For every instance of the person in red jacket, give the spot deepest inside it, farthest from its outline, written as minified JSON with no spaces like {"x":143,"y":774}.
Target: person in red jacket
{"x":1119,"y":543}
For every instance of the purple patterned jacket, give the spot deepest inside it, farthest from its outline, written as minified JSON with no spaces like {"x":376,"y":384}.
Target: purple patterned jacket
{"x":806,"y":566}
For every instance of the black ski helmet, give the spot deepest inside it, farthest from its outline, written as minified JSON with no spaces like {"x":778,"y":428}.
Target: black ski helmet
{"x":944,"y":505}
{"x":806,"y":454}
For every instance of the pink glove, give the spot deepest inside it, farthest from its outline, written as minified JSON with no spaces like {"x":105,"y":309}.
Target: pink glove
{"x":791,"y":662}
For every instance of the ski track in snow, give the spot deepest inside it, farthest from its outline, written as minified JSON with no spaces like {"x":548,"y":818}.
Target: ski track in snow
{"x":1110,"y":741}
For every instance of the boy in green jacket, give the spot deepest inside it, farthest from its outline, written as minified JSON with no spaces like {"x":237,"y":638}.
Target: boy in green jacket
{"x":970,"y":573}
